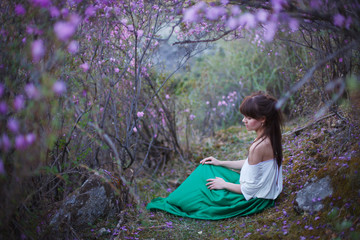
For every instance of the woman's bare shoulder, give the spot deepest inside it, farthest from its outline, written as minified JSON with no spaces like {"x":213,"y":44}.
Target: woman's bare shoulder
{"x":260,"y":152}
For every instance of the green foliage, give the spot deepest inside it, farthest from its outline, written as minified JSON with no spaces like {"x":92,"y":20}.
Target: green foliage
{"x":237,"y":67}
{"x":343,"y":225}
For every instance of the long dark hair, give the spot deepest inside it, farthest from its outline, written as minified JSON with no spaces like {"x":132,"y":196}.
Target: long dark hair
{"x":259,"y":105}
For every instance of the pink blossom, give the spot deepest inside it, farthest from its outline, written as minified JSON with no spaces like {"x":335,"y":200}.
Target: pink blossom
{"x":90,"y":11}
{"x":213,"y":13}
{"x":167,"y":96}
{"x":73,"y":47}
{"x":30,"y":138}
{"x":5,"y":143}
{"x":140,"y":33}
{"x":37,"y":50}
{"x":31,"y":91}
{"x":135,"y":129}
{"x":247,"y":20}
{"x":117,"y":70}
{"x":316,"y":4}
{"x":3,"y":107}
{"x":293,"y":24}
{"x":19,"y":102}
{"x":270,"y":30}
{"x":33,"y":30}
{"x":192,"y":14}
{"x":20,"y":10}
{"x":64,"y":30}
{"x":29,"y":29}
{"x":140,"y":114}
{"x":207,"y":102}
{"x":192,"y":117}
{"x":124,"y":21}
{"x":13,"y":125}
{"x":41,"y":3}
{"x":277,"y":5}
{"x":85,"y":66}
{"x":235,"y":10}
{"x":20,"y":142}
{"x":64,"y":12}
{"x":232,"y":23}
{"x":262,"y":15}
{"x":54,"y":12}
{"x":339,"y":20}
{"x":59,"y":87}
{"x":75,"y":19}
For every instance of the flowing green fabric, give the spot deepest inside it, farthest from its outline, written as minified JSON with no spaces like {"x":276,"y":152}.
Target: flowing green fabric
{"x":194,"y":200}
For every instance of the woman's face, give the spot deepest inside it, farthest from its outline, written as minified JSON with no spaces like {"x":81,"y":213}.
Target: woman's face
{"x":252,"y":124}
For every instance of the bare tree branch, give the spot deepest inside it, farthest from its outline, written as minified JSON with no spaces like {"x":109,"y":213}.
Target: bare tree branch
{"x":311,"y":71}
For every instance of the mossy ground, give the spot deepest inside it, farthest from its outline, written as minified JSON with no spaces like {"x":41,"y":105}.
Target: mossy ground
{"x":328,"y":147}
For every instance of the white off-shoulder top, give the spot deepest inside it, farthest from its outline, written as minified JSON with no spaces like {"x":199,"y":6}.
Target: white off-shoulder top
{"x":262,"y":180}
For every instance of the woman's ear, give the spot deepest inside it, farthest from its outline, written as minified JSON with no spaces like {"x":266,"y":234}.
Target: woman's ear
{"x":262,"y":120}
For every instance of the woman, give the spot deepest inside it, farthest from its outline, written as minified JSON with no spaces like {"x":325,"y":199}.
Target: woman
{"x":213,"y":191}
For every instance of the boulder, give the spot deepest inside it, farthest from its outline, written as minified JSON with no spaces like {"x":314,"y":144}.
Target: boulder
{"x":95,"y":199}
{"x":309,"y":199}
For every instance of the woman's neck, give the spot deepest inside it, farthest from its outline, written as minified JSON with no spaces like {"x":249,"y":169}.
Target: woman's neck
{"x":259,"y":133}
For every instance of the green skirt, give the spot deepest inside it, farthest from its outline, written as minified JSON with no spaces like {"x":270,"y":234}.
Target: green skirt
{"x":194,"y":200}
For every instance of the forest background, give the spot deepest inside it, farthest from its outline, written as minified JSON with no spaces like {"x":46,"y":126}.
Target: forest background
{"x":127,"y":88}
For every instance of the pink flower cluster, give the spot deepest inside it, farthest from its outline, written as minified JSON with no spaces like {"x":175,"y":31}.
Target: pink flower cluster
{"x":341,"y":21}
{"x":59,"y":88}
{"x":20,"y":141}
{"x":64,"y":30}
{"x":140,"y":114}
{"x":234,"y":19}
{"x":228,"y":100}
{"x":12,"y":135}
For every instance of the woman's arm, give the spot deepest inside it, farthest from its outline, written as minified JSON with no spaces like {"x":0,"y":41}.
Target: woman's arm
{"x":229,"y":164}
{"x":219,"y":183}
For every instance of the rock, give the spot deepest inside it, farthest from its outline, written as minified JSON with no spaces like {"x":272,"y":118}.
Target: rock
{"x":104,"y":231}
{"x":309,"y":198}
{"x":95,"y":199}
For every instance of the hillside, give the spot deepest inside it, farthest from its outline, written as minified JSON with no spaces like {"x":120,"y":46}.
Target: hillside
{"x":312,"y":150}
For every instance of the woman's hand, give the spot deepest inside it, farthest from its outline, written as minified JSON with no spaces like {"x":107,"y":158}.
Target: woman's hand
{"x":210,"y":160}
{"x":216,"y":183}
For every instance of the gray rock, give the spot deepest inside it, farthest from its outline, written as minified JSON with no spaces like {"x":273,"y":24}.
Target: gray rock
{"x":104,"y":231}
{"x":309,"y":199}
{"x":96,"y":198}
